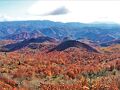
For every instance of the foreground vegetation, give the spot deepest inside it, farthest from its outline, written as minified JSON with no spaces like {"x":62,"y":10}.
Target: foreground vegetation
{"x":71,"y":69}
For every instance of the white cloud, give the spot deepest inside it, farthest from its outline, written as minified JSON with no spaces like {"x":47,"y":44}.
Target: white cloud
{"x":5,"y":18}
{"x":81,"y":11}
{"x":70,"y":11}
{"x":44,"y":7}
{"x":59,"y":11}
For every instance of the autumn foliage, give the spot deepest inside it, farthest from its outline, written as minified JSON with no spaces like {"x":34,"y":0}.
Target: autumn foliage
{"x":67,"y":70}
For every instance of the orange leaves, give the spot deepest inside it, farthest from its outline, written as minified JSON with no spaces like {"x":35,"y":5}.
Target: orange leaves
{"x":63,"y":67}
{"x":71,"y":74}
{"x":4,"y":86}
{"x":49,"y":73}
{"x":13,"y":55}
{"x":8,"y":82}
{"x":61,"y":87}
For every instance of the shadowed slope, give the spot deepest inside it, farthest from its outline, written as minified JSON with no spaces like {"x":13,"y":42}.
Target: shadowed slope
{"x":22,"y":44}
{"x":73,"y":43}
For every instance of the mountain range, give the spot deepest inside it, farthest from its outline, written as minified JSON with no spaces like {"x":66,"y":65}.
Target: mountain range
{"x":33,"y":34}
{"x":20,"y":30}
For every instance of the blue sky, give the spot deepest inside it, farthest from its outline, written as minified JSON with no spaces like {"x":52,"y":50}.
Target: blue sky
{"x":61,"y":10}
{"x":15,"y":7}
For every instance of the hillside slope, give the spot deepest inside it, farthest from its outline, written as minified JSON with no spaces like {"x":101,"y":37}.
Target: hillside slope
{"x":22,"y":44}
{"x":73,"y":43}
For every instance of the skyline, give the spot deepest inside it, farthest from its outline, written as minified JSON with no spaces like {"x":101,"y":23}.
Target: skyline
{"x":60,"y":10}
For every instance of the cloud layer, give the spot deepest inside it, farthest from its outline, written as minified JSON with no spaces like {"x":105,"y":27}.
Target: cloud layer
{"x":59,"y":11}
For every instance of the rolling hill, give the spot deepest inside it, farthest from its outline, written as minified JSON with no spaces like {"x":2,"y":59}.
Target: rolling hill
{"x":73,"y":43}
{"x":24,"y":43}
